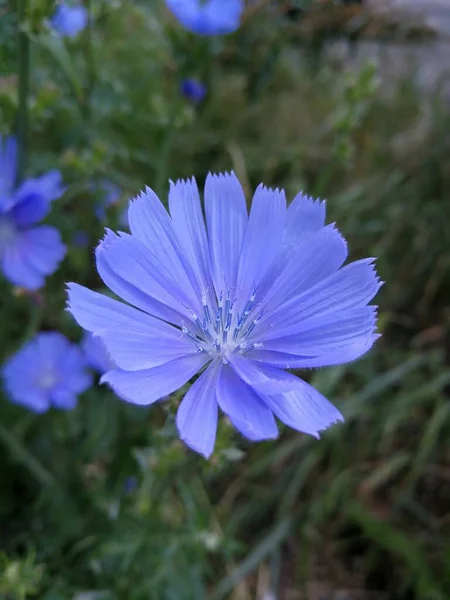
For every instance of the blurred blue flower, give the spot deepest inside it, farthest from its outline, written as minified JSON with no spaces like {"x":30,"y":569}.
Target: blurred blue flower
{"x":27,"y":253}
{"x":108,"y":194}
{"x":130,"y":484}
{"x":96,"y":354}
{"x":212,"y":17}
{"x":193,"y":90}
{"x":80,"y":239}
{"x":245,"y":295}
{"x":123,"y":218}
{"x":68,"y":20}
{"x":47,"y":371}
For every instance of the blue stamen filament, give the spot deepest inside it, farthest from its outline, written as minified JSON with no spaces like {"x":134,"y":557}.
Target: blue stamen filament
{"x":213,"y":335}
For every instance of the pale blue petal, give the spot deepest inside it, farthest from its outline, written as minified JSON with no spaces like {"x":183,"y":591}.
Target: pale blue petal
{"x":197,"y":414}
{"x":8,"y":162}
{"x":97,"y":313}
{"x":132,"y":272}
{"x":43,"y":248}
{"x":17,"y":269}
{"x":213,"y":17}
{"x":222,"y":18}
{"x":226,"y":218}
{"x":319,"y":257}
{"x":69,"y":20}
{"x":262,"y":240}
{"x":189,"y":226}
{"x":151,"y":224}
{"x":64,"y":399}
{"x":305,"y":217}
{"x":244,"y":407}
{"x":283,"y":360}
{"x":96,"y":355}
{"x":351,"y":287}
{"x":148,"y":386}
{"x":32,"y":201}
{"x":134,"y":351}
{"x":332,"y":331}
{"x":303,"y":409}
{"x":31,"y":255}
{"x":262,"y":378}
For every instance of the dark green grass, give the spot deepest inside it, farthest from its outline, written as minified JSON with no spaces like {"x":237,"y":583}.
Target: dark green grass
{"x":365,"y":509}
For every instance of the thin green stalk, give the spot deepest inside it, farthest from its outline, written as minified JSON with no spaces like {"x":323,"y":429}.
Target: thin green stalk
{"x":166,"y":148}
{"x":90,"y":64}
{"x":21,"y":455}
{"x":24,"y":88}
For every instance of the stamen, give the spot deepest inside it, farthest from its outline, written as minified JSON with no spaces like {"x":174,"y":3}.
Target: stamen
{"x":248,"y":307}
{"x":206,"y":308}
{"x":208,"y":335}
{"x":253,"y":324}
{"x":186,"y":331}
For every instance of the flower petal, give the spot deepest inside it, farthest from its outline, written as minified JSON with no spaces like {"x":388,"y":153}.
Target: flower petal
{"x":262,"y":378}
{"x":34,"y":197}
{"x":133,"y":339}
{"x":352,"y":286}
{"x":262,"y":240}
{"x":151,"y":224}
{"x":8,"y":161}
{"x":33,"y":254}
{"x":63,"y":399}
{"x":244,"y":407}
{"x":43,"y":248}
{"x":304,"y":409}
{"x":226,"y":218}
{"x":134,"y":351}
{"x":189,"y":226}
{"x":197,"y":414}
{"x":283,"y":360}
{"x":96,"y":312}
{"x":318,"y":258}
{"x":305,"y":217}
{"x":149,"y":385}
{"x":332,"y":331}
{"x":132,"y":272}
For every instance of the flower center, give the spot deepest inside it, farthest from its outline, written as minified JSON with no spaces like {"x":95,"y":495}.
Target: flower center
{"x":222,"y":331}
{"x":7,"y":233}
{"x":47,"y":379}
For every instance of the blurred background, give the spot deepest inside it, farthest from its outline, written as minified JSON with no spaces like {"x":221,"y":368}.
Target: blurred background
{"x":348,"y":101}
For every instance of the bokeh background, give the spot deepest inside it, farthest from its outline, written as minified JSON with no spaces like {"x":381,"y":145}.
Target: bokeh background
{"x":348,"y":101}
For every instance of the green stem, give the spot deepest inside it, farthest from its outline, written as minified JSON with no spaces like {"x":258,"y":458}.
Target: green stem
{"x":90,"y":65}
{"x":20,"y":454}
{"x":24,"y":88}
{"x":166,"y":149}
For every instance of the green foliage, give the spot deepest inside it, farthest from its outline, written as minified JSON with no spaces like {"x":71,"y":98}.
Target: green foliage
{"x":366,"y":507}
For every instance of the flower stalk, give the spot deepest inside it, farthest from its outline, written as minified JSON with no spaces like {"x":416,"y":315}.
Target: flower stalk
{"x":24,"y":88}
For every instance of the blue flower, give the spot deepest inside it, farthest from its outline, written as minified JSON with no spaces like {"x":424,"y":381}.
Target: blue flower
{"x":96,"y":354}
{"x":109,"y":194}
{"x":46,"y":371}
{"x":213,"y":17}
{"x":246,"y":296}
{"x":80,"y":239}
{"x":27,"y":253}
{"x":193,"y":90}
{"x":68,"y":20}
